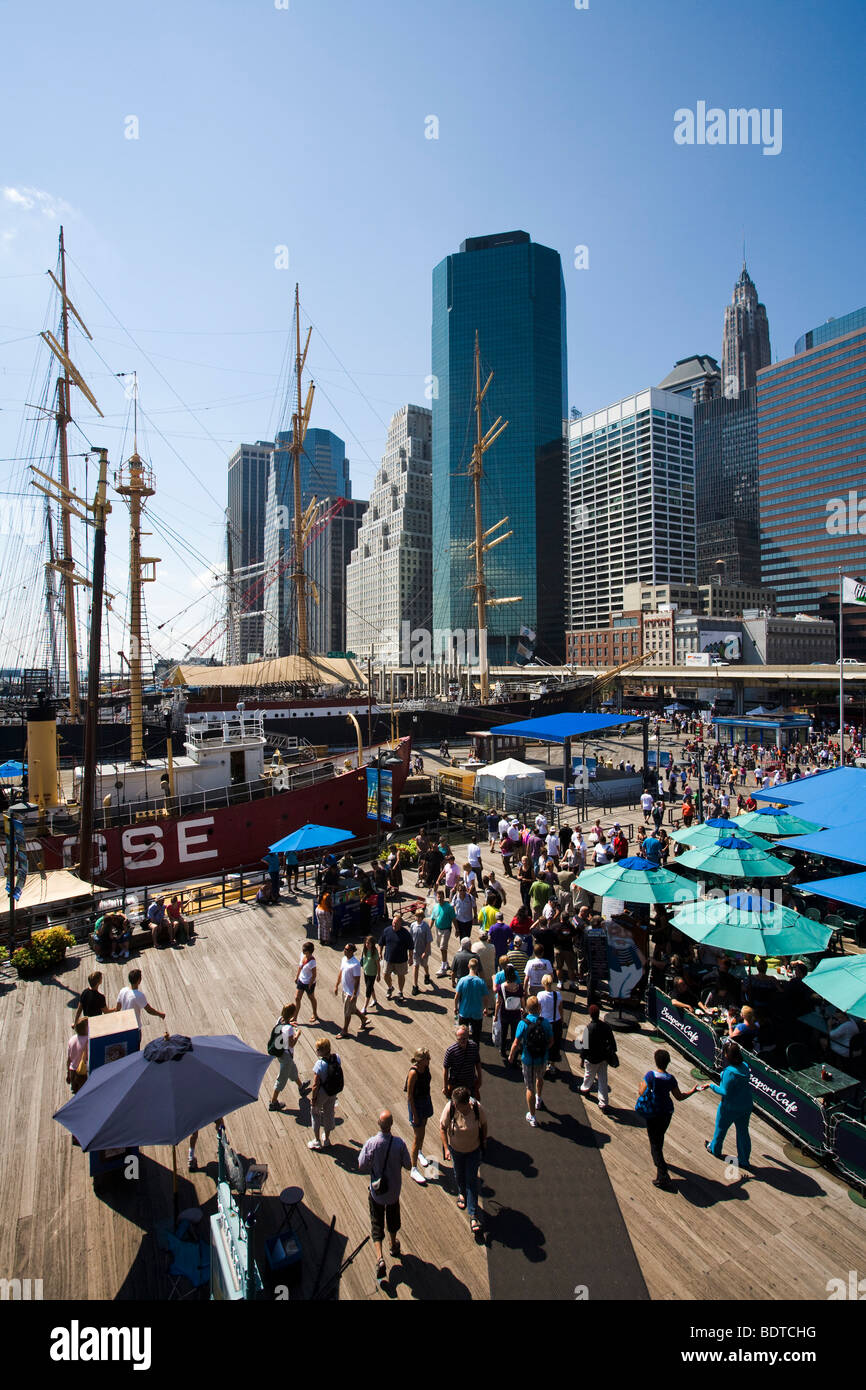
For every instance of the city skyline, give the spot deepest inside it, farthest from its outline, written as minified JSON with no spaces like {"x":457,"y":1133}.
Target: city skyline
{"x":152,"y":157}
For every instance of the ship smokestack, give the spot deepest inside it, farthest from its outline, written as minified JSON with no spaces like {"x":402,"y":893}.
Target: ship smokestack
{"x":42,"y":754}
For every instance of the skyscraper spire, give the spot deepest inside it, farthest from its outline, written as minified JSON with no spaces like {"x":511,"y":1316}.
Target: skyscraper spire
{"x":746,"y":340}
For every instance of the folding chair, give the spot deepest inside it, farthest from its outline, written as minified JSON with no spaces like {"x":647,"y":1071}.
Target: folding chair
{"x":186,"y":1261}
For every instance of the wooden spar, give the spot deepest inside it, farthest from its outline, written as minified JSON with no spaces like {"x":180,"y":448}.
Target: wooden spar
{"x":67,"y":562}
{"x":300,"y":421}
{"x":480,"y":545}
{"x":135,"y":483}
{"x":101,"y":508}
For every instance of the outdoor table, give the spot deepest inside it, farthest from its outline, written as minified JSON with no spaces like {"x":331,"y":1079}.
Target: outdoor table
{"x":816,"y":1021}
{"x":831,"y":1092}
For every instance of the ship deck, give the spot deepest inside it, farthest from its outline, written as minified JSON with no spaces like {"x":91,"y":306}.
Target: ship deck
{"x":570,"y":1197}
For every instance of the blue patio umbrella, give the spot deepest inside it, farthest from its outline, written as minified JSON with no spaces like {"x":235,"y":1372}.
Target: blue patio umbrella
{"x":731,"y":857}
{"x":637,"y":881}
{"x":311,"y":837}
{"x":752,"y":924}
{"x":11,"y":769}
{"x":163,"y":1094}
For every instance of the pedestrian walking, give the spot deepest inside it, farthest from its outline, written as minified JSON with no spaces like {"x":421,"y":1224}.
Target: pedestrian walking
{"x":396,"y":946}
{"x":384,"y":1157}
{"x":349,"y":979}
{"x":735,"y":1106}
{"x":422,"y":943}
{"x":656,"y":1096}
{"x":305,"y":980}
{"x":461,"y":1065}
{"x":92,"y":1001}
{"x":420,"y":1103}
{"x":371,"y":968}
{"x":532,"y":1040}
{"x":328,"y":1082}
{"x":76,"y":1056}
{"x":509,"y":997}
{"x":537,"y":966}
{"x":550,"y":1006}
{"x":598,"y":1052}
{"x":284,"y":1036}
{"x":469,"y":999}
{"x":442,"y":918}
{"x":132,"y":997}
{"x":272,"y":864}
{"x":463,"y":1130}
{"x":493,"y":829}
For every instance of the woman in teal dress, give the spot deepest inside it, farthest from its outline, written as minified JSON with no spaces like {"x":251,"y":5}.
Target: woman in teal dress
{"x":735,"y":1106}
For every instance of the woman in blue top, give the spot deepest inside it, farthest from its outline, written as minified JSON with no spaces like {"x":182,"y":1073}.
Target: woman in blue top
{"x":735,"y":1106}
{"x":664,"y":1090}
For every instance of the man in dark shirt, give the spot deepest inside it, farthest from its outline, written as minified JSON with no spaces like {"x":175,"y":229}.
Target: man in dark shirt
{"x":721,"y":980}
{"x":683,"y":996}
{"x":396,"y":944}
{"x":794,"y":998}
{"x":460,"y":963}
{"x":544,"y":934}
{"x":433,"y":861}
{"x":500,"y":937}
{"x":462,"y":1065}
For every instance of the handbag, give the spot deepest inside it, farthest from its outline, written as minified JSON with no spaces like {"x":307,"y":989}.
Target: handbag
{"x":646,"y":1104}
{"x":496,"y":1032}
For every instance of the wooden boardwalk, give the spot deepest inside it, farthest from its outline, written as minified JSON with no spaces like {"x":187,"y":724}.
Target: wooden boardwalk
{"x":780,"y":1234}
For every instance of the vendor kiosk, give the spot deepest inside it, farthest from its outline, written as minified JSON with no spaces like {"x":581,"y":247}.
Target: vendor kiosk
{"x":347,"y":909}
{"x":110,"y":1037}
{"x":234,"y":1274}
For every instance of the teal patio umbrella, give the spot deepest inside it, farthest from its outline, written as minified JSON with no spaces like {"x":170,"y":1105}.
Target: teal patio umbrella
{"x":752,"y":924}
{"x":772,"y":821}
{"x":732,"y":857}
{"x":637,"y":881}
{"x":842,"y":982}
{"x":708,"y":834}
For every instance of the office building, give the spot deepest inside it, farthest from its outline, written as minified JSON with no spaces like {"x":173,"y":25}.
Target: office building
{"x":697,"y":377}
{"x":726,"y":489}
{"x":745,"y":339}
{"x":811,"y":469}
{"x":799,"y":641}
{"x":631,"y":505}
{"x":332,"y":538}
{"x":247,"y":494}
{"x":390,"y":573}
{"x":832,"y":329}
{"x":511,"y":291}
{"x":324,"y":473}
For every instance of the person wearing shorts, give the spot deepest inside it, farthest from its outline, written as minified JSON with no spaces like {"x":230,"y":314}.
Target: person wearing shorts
{"x":305,"y":982}
{"x":422,"y":940}
{"x":350,"y":980}
{"x":384,"y":1156}
{"x":442,"y":918}
{"x":286,"y":1040}
{"x":533,"y":1067}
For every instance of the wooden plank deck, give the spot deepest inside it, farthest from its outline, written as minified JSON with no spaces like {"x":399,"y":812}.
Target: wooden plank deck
{"x":778,"y":1235}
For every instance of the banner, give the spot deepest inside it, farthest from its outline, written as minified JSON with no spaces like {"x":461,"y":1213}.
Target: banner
{"x":848,"y":1146}
{"x":380,"y":794}
{"x":783,"y":1101}
{"x":690,"y":1034}
{"x":626,"y":956}
{"x":20,"y":853}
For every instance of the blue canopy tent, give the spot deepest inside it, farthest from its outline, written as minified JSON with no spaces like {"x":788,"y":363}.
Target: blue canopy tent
{"x":847,"y":888}
{"x":11,"y":770}
{"x":845,"y":842}
{"x":836,"y":797}
{"x":564,"y":728}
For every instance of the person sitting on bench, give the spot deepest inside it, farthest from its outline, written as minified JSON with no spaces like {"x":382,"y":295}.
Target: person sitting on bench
{"x":183,"y":927}
{"x":161,"y":924}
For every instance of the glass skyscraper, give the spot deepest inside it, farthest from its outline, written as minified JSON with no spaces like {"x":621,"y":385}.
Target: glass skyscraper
{"x":726,"y":489}
{"x":812,"y":479}
{"x":247,"y":492}
{"x":324,"y":473}
{"x":512,"y":292}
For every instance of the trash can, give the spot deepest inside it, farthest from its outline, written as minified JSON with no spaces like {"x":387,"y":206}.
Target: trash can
{"x":571,"y":796}
{"x":557,"y":796}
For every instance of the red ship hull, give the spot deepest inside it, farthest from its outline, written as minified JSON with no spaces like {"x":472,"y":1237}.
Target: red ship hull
{"x":170,"y":849}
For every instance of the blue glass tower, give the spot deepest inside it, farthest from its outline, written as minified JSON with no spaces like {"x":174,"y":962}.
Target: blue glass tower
{"x":512,"y":292}
{"x":324,"y":473}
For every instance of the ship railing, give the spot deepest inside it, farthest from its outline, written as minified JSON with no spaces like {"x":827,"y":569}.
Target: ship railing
{"x":164,"y":806}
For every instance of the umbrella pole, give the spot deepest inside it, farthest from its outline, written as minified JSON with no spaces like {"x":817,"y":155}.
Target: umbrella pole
{"x":174,"y":1181}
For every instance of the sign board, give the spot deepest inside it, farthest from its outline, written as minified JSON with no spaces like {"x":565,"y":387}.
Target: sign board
{"x":698,"y":659}
{"x":690,"y":1034}
{"x":380,"y":790}
{"x":848,"y":1145}
{"x":14,"y":828}
{"x":783,"y":1101}
{"x":626,"y":957}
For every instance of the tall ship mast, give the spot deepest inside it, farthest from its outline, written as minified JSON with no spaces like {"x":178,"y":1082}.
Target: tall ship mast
{"x":480,"y":545}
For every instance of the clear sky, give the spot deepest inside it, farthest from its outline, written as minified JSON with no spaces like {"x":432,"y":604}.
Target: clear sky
{"x":305,"y":127}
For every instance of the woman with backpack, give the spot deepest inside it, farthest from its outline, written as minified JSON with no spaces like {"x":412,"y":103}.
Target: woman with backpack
{"x":463,"y":1130}
{"x":655,"y":1102}
{"x":281,"y":1043}
{"x":417,"y":1088}
{"x":507,"y":1013}
{"x":327,"y":1084}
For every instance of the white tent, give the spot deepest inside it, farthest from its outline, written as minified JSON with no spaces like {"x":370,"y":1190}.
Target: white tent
{"x":510,"y":778}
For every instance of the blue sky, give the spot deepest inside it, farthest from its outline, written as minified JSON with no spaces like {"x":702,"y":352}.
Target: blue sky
{"x":305,"y":127}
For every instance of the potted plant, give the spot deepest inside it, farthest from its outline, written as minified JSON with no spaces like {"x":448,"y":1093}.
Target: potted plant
{"x":45,"y":950}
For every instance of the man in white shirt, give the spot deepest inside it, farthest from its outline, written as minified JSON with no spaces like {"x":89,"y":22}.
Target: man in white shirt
{"x":131,"y":997}
{"x":841,"y":1037}
{"x":535,"y":970}
{"x":350,"y":980}
{"x":541,"y":824}
{"x":578,"y":844}
{"x":646,"y":804}
{"x":473,"y":854}
{"x":503,"y":827}
{"x":553,"y":847}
